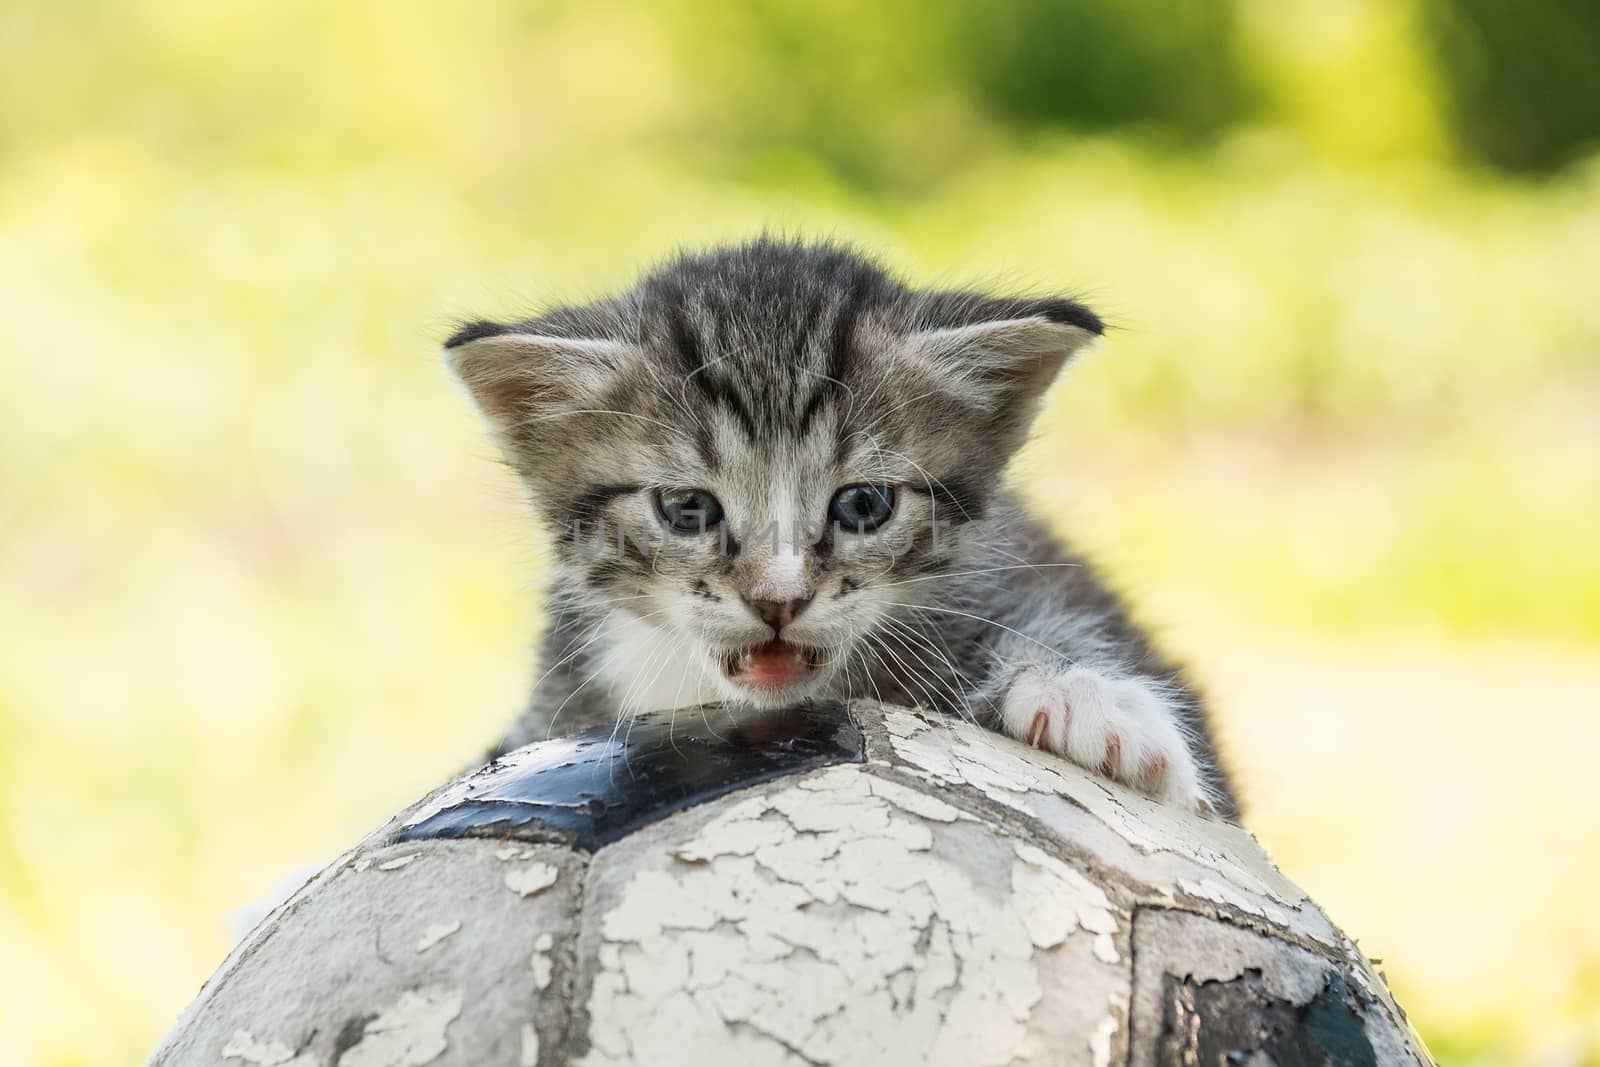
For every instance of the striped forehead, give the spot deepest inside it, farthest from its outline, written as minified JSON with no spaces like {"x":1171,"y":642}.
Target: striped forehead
{"x":783,"y":454}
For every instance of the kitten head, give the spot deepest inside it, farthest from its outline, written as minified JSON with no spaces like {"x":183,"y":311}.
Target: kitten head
{"x":756,"y":448}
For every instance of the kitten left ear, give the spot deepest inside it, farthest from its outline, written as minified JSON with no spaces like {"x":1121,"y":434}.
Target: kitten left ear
{"x":515,"y":377}
{"x":996,"y":364}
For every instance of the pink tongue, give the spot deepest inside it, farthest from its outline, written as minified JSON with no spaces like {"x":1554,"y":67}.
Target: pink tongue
{"x":776,"y":663}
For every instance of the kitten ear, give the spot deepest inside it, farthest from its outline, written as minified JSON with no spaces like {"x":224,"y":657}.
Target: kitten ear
{"x":514,"y":377}
{"x":998,"y":364}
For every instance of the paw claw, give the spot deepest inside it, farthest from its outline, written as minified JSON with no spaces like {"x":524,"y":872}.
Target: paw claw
{"x":1111,"y":766}
{"x":1041,"y":720}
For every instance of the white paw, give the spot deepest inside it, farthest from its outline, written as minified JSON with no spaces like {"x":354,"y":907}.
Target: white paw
{"x":1124,"y":728}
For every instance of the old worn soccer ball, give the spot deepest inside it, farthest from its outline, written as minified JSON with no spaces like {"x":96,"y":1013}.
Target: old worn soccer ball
{"x":827,"y":885}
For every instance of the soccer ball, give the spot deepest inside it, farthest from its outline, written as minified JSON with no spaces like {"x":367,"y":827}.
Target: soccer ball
{"x":825,"y":885}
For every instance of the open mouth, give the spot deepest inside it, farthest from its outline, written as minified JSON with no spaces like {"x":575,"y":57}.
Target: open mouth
{"x":776,"y":664}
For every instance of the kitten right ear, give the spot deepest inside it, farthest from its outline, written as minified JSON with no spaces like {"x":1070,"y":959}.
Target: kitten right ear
{"x":516,"y":377}
{"x":999,"y":363}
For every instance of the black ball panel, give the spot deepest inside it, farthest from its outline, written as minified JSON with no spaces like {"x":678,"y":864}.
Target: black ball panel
{"x":592,"y":788}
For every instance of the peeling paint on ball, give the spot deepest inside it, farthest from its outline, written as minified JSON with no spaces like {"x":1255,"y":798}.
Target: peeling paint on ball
{"x":887,"y":887}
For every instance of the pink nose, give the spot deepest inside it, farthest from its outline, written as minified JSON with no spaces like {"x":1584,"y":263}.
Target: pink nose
{"x":778,"y":613}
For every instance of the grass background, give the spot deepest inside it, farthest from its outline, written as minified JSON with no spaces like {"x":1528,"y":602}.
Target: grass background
{"x":261,"y":584}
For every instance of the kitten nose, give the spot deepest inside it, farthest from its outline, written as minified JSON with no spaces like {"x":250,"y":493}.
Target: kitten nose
{"x":778,"y":613}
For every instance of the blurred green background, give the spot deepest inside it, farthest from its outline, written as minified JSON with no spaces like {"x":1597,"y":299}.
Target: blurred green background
{"x":261,"y":584}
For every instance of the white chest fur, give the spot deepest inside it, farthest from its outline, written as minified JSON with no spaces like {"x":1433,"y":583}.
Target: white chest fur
{"x":646,"y":668}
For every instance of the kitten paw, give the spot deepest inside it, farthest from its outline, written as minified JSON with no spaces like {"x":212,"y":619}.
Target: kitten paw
{"x":1124,"y":728}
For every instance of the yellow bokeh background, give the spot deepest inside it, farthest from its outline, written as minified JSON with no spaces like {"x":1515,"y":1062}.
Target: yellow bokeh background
{"x":261,"y":582}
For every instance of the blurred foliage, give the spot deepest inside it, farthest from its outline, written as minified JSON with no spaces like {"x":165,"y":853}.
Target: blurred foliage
{"x":260,"y":583}
{"x":946,"y":75}
{"x":1522,"y":80}
{"x":1103,"y":64}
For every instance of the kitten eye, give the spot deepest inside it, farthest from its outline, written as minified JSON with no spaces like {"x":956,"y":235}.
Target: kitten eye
{"x":688,"y":511}
{"x":862,"y":507}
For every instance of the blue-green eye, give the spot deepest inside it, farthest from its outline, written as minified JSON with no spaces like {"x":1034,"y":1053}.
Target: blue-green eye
{"x":688,"y":511}
{"x":859,"y":508}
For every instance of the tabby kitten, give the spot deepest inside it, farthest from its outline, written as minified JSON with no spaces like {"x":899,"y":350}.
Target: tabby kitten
{"x":771,"y":471}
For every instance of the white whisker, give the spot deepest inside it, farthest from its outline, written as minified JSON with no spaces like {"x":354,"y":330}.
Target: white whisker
{"x":965,"y":574}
